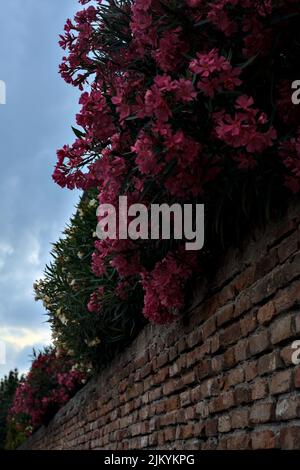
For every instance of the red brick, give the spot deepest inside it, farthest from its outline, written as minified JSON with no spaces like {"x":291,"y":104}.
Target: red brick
{"x":195,"y":394}
{"x":202,"y":409}
{"x":217,"y":363}
{"x":189,"y":378}
{"x":234,"y":377}
{"x":264,"y":439}
{"x":288,"y":408}
{"x":287,"y":298}
{"x":266,"y":263}
{"x":248,"y":324}
{"x":222,"y":402}
{"x":215,"y":343}
{"x":185,"y":398}
{"x":242,"y":394}
{"x":169,"y":434}
{"x":288,"y":247}
{"x":194,"y":338}
{"x":250,"y":369}
{"x":242,"y":350}
{"x":190,"y":413}
{"x":225,"y":314}
{"x":281,"y":330}
{"x":286,"y":354}
{"x":290,"y":437}
{"x":259,"y":342}
{"x":187,"y":431}
{"x":259,"y":389}
{"x":281,"y":382}
{"x":240,"y":418}
{"x":229,"y":358}
{"x":266,"y":313}
{"x":161,"y":376}
{"x":162,"y":359}
{"x":209,"y":328}
{"x":211,"y":427}
{"x":269,"y":363}
{"x":172,"y":403}
{"x":297,"y":377}
{"x":242,"y":304}
{"x":146,"y":370}
{"x":245,"y":279}
{"x":203,"y":369}
{"x":262,"y":412}
{"x":224,"y":423}
{"x":230,"y":335}
{"x":240,"y":441}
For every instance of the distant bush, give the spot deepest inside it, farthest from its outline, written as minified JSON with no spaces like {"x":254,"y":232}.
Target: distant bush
{"x":8,"y":386}
{"x":52,"y":380}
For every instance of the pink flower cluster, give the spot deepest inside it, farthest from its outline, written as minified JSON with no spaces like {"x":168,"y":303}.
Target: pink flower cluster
{"x":177,"y":94}
{"x":50,"y":383}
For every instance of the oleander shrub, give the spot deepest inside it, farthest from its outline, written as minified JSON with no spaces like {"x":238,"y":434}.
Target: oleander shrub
{"x":70,"y":291}
{"x":8,"y":386}
{"x":185,"y":101}
{"x":54,"y":377}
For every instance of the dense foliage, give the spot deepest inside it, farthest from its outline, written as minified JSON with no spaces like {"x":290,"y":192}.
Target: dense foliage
{"x":183,"y":101}
{"x":70,"y":292}
{"x":52,"y":380}
{"x":8,"y":386}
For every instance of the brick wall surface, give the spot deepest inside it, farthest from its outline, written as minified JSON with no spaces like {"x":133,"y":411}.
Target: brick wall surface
{"x":223,"y":381}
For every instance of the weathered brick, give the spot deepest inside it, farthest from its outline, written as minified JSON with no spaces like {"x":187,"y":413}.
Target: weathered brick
{"x":264,"y":439}
{"x":203,"y":369}
{"x":248,"y":323}
{"x":259,"y":342}
{"x":225,"y":314}
{"x":230,"y":335}
{"x":250,"y":369}
{"x":224,"y":423}
{"x":240,"y":418}
{"x":242,"y":350}
{"x":211,"y":427}
{"x":209,"y":328}
{"x":262,"y":412}
{"x":185,"y":398}
{"x":297,"y":377}
{"x":242,"y":304}
{"x":169,"y":434}
{"x":245,"y":279}
{"x":239,"y":441}
{"x":285,"y":299}
{"x":202,"y":409}
{"x":290,"y":437}
{"x":269,"y":363}
{"x":281,"y":330}
{"x":266,"y":313}
{"x":281,"y":382}
{"x":288,"y":408}
{"x":288,"y":247}
{"x":234,"y":377}
{"x":242,"y":394}
{"x":259,"y":389}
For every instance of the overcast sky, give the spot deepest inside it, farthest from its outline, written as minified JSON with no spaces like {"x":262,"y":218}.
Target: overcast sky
{"x":35,"y":121}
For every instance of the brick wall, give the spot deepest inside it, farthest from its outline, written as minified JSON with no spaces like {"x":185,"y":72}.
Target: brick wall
{"x":225,"y":380}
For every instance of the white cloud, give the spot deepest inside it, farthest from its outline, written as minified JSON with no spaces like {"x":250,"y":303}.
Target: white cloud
{"x":20,"y":338}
